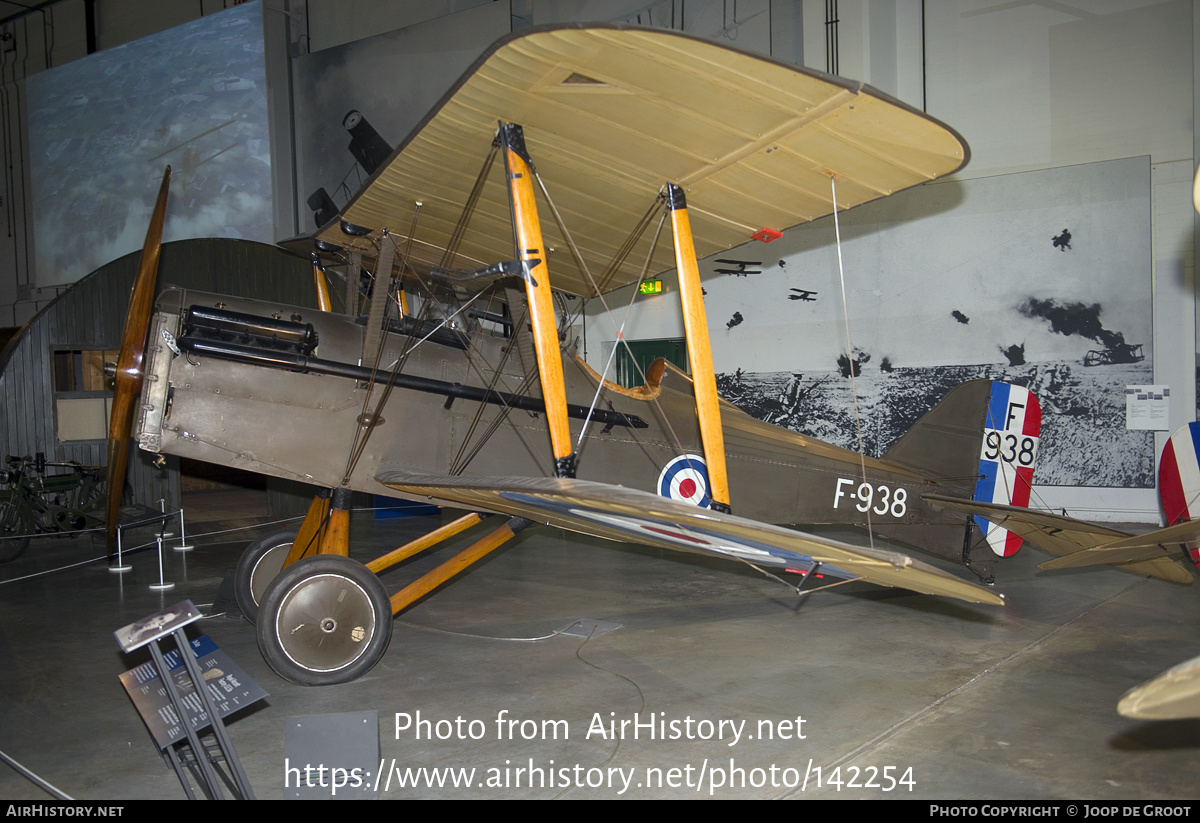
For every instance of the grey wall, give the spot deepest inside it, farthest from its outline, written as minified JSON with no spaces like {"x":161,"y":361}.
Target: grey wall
{"x":1030,"y":86}
{"x":91,"y":314}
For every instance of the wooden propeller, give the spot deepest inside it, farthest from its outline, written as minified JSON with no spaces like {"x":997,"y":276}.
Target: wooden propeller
{"x":130,"y":374}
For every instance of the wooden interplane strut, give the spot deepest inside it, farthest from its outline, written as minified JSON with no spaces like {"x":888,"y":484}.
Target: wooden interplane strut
{"x":321,"y":286}
{"x":695,"y":324}
{"x":532,"y":254}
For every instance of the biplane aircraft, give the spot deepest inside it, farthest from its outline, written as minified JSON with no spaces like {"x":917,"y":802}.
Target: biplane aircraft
{"x":740,"y":269}
{"x":459,"y":384}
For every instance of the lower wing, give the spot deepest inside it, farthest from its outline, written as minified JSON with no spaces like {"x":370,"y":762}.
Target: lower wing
{"x":629,"y":515}
{"x":1086,"y":544}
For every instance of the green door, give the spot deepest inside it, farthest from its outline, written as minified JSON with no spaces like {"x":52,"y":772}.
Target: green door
{"x":633,"y":361}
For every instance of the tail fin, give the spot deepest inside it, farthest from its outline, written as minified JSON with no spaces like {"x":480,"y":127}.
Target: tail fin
{"x":985,"y":429}
{"x":1179,"y":481}
{"x":1006,"y":459}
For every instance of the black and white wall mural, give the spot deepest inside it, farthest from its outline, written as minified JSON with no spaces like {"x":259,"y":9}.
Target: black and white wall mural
{"x":1041,"y":278}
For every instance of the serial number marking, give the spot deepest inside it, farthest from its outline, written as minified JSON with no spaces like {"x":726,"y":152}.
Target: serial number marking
{"x":1009,"y":448}
{"x":881,"y":499}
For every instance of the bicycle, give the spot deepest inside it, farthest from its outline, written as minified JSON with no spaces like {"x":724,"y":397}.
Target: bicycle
{"x":35,"y":502}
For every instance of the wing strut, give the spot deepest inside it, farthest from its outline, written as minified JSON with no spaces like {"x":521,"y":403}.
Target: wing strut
{"x":312,"y":530}
{"x":695,"y":326}
{"x":476,"y":551}
{"x":335,"y":539}
{"x":353,"y":270}
{"x":527,"y":232}
{"x":320,"y":285}
{"x":379,"y":298}
{"x":412,"y":547}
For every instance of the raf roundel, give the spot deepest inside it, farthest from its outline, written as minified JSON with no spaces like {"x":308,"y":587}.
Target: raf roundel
{"x":686,"y":478}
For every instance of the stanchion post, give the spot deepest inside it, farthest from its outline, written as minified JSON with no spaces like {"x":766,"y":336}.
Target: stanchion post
{"x":183,"y":546}
{"x":160,"y":586}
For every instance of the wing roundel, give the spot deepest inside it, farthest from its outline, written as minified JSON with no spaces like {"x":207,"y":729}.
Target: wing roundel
{"x":630,"y":515}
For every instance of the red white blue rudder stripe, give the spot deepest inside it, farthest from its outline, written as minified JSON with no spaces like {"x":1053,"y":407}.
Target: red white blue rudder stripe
{"x":1007,"y":457}
{"x":1179,"y":479}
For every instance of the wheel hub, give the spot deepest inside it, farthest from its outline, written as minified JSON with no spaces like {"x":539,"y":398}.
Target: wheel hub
{"x":324,"y":621}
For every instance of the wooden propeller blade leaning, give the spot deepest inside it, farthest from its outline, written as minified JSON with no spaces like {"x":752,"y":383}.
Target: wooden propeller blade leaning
{"x":130,"y":373}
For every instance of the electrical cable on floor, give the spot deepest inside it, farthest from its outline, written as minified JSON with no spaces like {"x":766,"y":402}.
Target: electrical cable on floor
{"x":485,"y":636}
{"x":578,"y":654}
{"x":628,"y":680}
{"x":917,"y":716}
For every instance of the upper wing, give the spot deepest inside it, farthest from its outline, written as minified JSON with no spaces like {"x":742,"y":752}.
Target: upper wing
{"x":610,"y":114}
{"x":617,"y":513}
{"x":1086,"y":544}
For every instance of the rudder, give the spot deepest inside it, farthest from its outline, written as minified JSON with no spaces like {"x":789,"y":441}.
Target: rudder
{"x":1007,"y":457}
{"x":983,"y":429}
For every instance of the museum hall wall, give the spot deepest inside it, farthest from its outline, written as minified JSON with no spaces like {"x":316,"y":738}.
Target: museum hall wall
{"x":1078,"y":119}
{"x":66,"y":419}
{"x":1057,"y":108}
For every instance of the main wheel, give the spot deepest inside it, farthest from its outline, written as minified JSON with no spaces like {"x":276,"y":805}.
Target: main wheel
{"x":323,"y":620}
{"x":258,"y":566}
{"x":14,"y":537}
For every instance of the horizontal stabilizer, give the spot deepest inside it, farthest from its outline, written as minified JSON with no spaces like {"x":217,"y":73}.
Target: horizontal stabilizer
{"x":629,"y":515}
{"x":1085,"y":544}
{"x":1148,"y":546}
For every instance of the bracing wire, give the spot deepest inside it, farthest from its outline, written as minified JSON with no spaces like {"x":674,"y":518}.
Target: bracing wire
{"x":643,"y":223}
{"x":862,"y":459}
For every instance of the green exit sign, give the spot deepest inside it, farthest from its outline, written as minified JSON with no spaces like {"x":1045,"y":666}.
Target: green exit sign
{"x":650,"y":287}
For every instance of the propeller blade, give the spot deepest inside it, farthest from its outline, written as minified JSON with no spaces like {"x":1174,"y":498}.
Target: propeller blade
{"x":128,"y":380}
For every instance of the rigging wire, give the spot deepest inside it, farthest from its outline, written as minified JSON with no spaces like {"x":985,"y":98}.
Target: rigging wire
{"x":368,"y":420}
{"x":462,"y":459}
{"x":469,"y":208}
{"x":393,"y":374}
{"x":646,"y":219}
{"x":862,"y":459}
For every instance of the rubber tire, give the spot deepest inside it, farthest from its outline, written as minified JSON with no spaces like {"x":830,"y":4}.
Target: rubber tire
{"x":12,"y":542}
{"x":310,"y":615}
{"x":259,"y":564}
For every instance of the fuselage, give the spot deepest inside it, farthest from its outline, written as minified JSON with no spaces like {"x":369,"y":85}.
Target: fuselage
{"x":263,"y":412}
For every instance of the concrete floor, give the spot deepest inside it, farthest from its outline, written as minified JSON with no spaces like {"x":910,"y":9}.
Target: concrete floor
{"x":967,"y":702}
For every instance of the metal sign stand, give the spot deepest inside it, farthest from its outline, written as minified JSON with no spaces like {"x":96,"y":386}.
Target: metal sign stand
{"x":194,"y":708}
